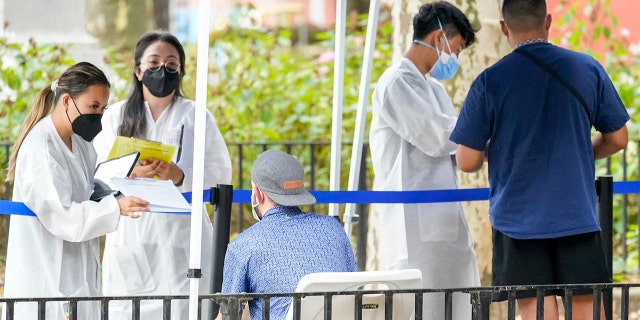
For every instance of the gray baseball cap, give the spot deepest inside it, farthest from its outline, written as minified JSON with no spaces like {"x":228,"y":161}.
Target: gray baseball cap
{"x":281,"y":176}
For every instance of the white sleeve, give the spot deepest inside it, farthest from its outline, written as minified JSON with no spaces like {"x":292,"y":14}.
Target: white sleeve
{"x":414,"y":114}
{"x":46,"y":188}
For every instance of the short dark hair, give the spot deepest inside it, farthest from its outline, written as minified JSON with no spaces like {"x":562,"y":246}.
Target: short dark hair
{"x":454,"y":22}
{"x":524,"y":15}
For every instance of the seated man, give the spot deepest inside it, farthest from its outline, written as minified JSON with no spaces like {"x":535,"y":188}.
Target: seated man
{"x":287,"y":243}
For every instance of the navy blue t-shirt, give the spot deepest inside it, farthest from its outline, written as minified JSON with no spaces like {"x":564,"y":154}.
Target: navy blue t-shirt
{"x":541,"y":162}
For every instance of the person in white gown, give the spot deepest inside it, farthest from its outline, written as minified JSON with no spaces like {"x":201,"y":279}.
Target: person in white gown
{"x":150,"y":256}
{"x":409,"y":139}
{"x":56,"y":253}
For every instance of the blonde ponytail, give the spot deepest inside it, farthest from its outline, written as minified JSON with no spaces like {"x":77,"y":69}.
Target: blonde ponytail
{"x":40,"y":109}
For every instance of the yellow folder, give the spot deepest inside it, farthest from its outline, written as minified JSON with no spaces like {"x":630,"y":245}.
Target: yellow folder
{"x":148,"y":149}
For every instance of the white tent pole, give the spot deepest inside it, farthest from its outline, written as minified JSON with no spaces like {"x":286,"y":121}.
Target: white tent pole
{"x":338,"y":93}
{"x":197,"y":205}
{"x":350,"y":216}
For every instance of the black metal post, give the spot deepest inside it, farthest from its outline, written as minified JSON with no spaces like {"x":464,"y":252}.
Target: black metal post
{"x":222,"y":198}
{"x":362,"y":212}
{"x":231,"y":308}
{"x":480,"y":305}
{"x":604,"y":190}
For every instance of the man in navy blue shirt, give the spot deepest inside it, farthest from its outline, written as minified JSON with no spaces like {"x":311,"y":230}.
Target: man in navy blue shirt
{"x":531,"y":115}
{"x":287,"y":243}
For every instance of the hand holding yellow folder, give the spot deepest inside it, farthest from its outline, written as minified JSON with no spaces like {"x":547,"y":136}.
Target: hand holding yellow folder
{"x":148,"y":149}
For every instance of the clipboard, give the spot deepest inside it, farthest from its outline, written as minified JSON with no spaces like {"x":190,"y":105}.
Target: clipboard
{"x":147,"y":149}
{"x":119,"y":167}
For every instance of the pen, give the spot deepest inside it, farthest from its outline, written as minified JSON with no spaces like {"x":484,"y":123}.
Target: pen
{"x":180,"y":144}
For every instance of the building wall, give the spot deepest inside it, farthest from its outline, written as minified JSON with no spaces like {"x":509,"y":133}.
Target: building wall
{"x":625,"y":11}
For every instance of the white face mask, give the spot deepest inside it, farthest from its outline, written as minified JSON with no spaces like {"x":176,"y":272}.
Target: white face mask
{"x":253,"y":207}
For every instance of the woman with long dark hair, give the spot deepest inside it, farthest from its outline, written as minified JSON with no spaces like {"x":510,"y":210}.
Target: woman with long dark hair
{"x":150,"y":256}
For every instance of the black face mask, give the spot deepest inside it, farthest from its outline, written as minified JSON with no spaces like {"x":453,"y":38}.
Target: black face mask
{"x":86,"y":125}
{"x":160,"y":82}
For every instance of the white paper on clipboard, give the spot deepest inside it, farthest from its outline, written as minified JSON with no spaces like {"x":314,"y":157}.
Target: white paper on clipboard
{"x":162,"y":195}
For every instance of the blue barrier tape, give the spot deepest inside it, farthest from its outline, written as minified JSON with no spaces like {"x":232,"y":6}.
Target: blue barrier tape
{"x":357,"y":197}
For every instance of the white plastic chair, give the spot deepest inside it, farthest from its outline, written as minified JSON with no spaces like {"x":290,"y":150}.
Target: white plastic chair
{"x":312,"y":307}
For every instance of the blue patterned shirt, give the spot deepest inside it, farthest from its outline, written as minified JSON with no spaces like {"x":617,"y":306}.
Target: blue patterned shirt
{"x":274,"y":254}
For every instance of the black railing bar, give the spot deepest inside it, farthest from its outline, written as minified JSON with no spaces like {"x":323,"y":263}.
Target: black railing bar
{"x":296,"y":307}
{"x":362,"y":212}
{"x":568,"y":304}
{"x":448,"y":305}
{"x":135,"y":309}
{"x":624,"y":304}
{"x":388,"y":306}
{"x":597,"y":302}
{"x":9,"y":310}
{"x":477,"y":306}
{"x":104,"y":309}
{"x":240,"y":183}
{"x":357,"y":310}
{"x":625,"y":216}
{"x":624,"y":237}
{"x":312,"y":164}
{"x":73,"y":310}
{"x":166,"y":309}
{"x":266,"y":304}
{"x":511,"y":305}
{"x":418,"y":306}
{"x":328,"y":306}
{"x":42,"y":309}
{"x":540,"y":304}
{"x":7,"y":184}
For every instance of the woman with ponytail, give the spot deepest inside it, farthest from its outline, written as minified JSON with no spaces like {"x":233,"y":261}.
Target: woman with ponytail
{"x":56,"y":253}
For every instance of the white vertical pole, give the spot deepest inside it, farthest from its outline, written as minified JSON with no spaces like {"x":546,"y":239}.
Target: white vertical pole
{"x":338,"y":93}
{"x":361,"y":116}
{"x":197,"y":205}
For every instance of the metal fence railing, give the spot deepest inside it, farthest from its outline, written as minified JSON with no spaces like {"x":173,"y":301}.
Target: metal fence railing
{"x":231,"y":306}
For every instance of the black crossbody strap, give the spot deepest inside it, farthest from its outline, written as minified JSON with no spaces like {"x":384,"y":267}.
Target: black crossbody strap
{"x":552,"y":72}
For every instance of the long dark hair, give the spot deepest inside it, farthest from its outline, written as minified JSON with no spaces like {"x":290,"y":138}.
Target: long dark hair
{"x":74,"y":81}
{"x":134,"y":123}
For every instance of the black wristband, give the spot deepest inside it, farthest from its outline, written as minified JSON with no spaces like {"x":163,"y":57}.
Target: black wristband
{"x":181,"y":181}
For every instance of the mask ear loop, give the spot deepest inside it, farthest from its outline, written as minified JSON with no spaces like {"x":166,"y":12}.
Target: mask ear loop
{"x":446,"y":41}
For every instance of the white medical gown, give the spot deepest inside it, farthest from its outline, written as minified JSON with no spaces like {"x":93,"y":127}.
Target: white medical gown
{"x":409,"y":138}
{"x":56,"y":254}
{"x":150,"y":255}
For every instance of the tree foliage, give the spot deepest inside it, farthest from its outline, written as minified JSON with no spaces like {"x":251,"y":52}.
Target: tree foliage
{"x":593,"y":29}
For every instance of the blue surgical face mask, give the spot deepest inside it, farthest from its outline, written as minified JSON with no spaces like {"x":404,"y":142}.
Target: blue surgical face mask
{"x":447,"y":64}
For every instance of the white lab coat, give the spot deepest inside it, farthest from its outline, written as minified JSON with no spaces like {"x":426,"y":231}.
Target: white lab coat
{"x":150,"y":255}
{"x":409,"y":138}
{"x":57,"y":253}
